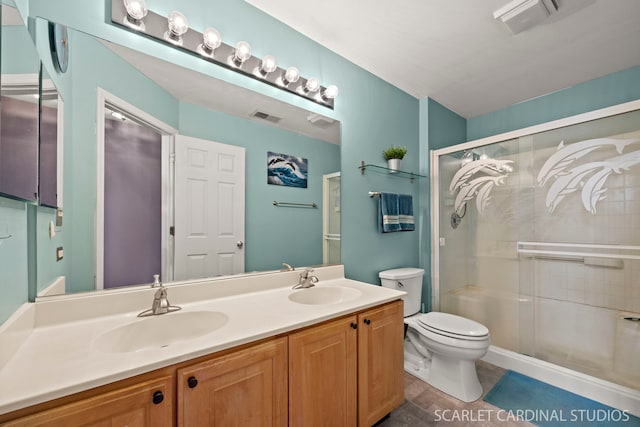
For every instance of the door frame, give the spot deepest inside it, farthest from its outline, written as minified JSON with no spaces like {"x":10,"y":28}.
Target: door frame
{"x":168,"y":135}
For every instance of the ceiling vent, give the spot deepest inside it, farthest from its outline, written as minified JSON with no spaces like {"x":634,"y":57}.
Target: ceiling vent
{"x":265,"y":116}
{"x":520,"y":15}
{"x":320,"y":121}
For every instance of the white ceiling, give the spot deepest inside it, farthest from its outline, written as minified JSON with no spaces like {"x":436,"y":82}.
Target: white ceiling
{"x":456,"y":53}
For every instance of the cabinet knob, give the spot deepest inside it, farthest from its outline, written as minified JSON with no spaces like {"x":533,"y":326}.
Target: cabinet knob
{"x":158,"y":397}
{"x":192,"y":382}
{"x":367,"y":321}
{"x":354,"y":325}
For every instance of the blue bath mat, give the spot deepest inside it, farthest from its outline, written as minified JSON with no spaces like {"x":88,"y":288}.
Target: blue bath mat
{"x":548,"y":406}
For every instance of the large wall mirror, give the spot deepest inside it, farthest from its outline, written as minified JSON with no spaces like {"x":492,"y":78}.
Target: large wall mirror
{"x":148,"y":150}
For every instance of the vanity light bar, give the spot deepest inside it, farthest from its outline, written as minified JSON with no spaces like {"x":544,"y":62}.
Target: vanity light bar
{"x":236,"y":58}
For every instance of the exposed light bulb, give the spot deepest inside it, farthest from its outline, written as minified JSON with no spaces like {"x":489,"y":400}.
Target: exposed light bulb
{"x":178,"y":23}
{"x":136,"y":9}
{"x":242,"y":52}
{"x":292,"y":75}
{"x":211,"y":38}
{"x":268,"y":64}
{"x":312,"y":85}
{"x":330,"y":92}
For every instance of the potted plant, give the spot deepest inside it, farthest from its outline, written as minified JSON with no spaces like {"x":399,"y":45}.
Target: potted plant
{"x":393,"y":155}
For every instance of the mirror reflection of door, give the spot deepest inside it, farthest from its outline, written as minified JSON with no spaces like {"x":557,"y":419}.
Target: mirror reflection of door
{"x":210,"y":203}
{"x":132,"y":201}
{"x":331,"y":218}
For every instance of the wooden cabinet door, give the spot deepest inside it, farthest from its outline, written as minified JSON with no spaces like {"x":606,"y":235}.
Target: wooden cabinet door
{"x":243,"y":388}
{"x":130,"y":406}
{"x":380,"y":362}
{"x":323,"y":375}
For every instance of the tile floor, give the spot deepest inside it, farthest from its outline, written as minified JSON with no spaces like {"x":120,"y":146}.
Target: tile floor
{"x":427,"y":406}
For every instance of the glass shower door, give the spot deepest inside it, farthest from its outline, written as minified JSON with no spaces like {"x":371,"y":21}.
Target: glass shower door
{"x":539,"y":240}
{"x":481,"y":210}
{"x":585,"y":250}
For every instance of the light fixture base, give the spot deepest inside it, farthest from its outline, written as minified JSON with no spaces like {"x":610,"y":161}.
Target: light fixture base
{"x":154,"y":26}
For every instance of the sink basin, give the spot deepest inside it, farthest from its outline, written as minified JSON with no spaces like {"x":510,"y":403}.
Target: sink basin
{"x":160,"y":331}
{"x":324,"y":295}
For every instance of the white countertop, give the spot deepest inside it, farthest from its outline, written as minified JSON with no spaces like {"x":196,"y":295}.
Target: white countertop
{"x":54,"y":354}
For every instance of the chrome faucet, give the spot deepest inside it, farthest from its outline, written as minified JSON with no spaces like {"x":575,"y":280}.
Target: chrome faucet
{"x":306,"y":281}
{"x":287,"y":267}
{"x":160,"y":304}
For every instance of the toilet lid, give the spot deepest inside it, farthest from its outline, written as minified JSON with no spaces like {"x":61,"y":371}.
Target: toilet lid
{"x":450,"y":324}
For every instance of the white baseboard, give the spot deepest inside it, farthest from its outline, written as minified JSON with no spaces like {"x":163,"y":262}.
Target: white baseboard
{"x":606,"y":392}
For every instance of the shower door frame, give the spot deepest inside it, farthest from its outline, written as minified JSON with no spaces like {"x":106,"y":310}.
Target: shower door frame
{"x":435,"y":177}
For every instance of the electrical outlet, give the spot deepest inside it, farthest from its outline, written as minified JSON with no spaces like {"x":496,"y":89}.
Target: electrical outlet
{"x":59,"y":253}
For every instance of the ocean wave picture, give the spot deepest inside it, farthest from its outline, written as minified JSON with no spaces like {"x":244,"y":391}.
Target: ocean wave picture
{"x":283,"y":169}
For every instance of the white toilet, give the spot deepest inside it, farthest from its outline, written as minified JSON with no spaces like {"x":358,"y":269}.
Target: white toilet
{"x":439,"y":348}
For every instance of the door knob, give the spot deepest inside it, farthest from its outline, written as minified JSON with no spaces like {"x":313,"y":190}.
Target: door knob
{"x":239,"y":244}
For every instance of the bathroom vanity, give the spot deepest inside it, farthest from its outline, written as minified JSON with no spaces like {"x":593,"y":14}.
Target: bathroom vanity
{"x":334,"y":359}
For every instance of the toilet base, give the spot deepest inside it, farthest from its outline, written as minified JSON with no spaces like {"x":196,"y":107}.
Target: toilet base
{"x":417,"y":366}
{"x":455,"y":377}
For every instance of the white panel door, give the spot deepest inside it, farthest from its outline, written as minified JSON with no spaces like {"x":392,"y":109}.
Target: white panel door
{"x":209,"y":208}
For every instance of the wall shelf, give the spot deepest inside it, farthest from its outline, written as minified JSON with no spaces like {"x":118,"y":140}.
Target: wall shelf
{"x":399,"y":173}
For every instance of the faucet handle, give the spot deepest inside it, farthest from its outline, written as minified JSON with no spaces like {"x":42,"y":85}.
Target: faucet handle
{"x":287,"y":267}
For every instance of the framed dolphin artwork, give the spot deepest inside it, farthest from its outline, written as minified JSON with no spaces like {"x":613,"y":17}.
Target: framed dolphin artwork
{"x":287,"y":170}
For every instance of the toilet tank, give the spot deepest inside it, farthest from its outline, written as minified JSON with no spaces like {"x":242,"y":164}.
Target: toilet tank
{"x":408,"y":280}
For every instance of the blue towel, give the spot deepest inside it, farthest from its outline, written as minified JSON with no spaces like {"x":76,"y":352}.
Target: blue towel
{"x":405,"y":212}
{"x":388,"y":219}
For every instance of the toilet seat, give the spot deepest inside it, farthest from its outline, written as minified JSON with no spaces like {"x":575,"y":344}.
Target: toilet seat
{"x":450,"y":325}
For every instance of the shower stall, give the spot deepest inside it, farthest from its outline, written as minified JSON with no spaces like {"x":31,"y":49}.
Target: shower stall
{"x":536,"y":234}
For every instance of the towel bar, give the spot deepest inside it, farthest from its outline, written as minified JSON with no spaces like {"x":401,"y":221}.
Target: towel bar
{"x":290,"y":204}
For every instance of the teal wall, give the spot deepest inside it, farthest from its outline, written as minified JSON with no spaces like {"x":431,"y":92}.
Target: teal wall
{"x":18,"y":45}
{"x":47,"y":268}
{"x":602,"y":92}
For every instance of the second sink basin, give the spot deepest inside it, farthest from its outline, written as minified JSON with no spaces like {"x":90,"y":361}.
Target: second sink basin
{"x":160,"y":331}
{"x":324,"y":295}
